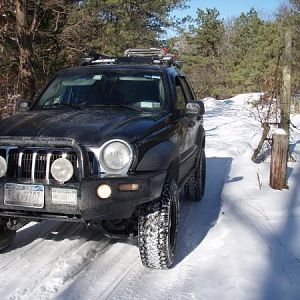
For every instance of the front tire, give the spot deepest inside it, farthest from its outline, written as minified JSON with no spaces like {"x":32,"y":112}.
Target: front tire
{"x":194,"y":188}
{"x":157,"y":229}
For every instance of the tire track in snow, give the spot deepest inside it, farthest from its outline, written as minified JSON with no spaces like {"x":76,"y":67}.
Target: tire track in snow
{"x":105,"y":275}
{"x":43,"y":257}
{"x":61,"y":271}
{"x":40,"y":241}
{"x":114,"y":287}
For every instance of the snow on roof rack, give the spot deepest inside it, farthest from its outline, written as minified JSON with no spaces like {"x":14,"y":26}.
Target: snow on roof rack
{"x":150,"y":56}
{"x":95,"y":58}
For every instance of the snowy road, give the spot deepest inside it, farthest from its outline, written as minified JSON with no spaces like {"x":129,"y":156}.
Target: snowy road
{"x":240,"y":242}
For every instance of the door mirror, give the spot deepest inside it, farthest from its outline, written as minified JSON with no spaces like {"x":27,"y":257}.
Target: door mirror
{"x":195,"y":107}
{"x":24,"y":105}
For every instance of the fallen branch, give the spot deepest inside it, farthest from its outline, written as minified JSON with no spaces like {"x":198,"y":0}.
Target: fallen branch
{"x":266,"y":130}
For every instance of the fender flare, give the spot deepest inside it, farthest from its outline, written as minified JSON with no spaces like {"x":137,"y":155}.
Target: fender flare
{"x":162,"y":156}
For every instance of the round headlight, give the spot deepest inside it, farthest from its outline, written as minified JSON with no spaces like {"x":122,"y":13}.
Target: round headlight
{"x":3,"y":166}
{"x":116,"y":156}
{"x":62,"y":170}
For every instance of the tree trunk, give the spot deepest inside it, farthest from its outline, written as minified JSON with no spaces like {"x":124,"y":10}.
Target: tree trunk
{"x":24,"y":40}
{"x":3,"y":15}
{"x":3,"y":7}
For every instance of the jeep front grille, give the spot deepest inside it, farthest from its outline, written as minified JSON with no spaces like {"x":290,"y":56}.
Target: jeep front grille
{"x":35,"y":163}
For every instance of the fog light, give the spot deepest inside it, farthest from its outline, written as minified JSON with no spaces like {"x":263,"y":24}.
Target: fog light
{"x":62,"y":170}
{"x":3,"y":166}
{"x":104,"y":191}
{"x":128,"y":187}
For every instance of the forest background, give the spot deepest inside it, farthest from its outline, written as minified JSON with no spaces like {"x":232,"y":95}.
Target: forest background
{"x":222,"y":57}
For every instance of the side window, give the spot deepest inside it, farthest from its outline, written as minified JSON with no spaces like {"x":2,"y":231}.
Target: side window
{"x":188,"y":92}
{"x":181,"y":100}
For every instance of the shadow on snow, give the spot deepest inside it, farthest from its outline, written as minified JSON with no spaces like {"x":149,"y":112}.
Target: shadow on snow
{"x":198,"y":218}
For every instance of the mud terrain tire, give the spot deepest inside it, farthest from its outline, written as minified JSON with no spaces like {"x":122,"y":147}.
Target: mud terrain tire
{"x":194,"y":188}
{"x":157,"y":228}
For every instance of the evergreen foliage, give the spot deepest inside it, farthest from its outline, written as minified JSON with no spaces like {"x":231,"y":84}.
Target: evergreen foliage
{"x":229,"y":58}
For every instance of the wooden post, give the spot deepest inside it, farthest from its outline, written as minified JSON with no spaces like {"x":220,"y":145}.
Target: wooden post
{"x":280,"y":147}
{"x":278,"y":171}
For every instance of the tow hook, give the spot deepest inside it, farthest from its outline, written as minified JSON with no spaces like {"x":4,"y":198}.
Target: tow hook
{"x":16,"y":224}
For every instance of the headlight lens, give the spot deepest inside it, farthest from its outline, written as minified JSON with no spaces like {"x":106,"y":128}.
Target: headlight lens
{"x":116,"y":156}
{"x":3,"y":166}
{"x":62,"y":169}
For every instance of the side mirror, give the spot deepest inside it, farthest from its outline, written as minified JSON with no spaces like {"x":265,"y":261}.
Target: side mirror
{"x":195,"y":107}
{"x":24,"y":105}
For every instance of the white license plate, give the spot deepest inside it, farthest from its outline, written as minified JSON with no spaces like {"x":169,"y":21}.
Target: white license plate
{"x":24,"y":195}
{"x":64,"y":196}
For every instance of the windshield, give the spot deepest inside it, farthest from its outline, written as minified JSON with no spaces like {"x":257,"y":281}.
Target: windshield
{"x":136,"y":90}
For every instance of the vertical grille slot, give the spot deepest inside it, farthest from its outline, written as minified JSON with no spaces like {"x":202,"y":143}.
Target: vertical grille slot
{"x":40,"y":165}
{"x":12,"y":167}
{"x":26,"y":164}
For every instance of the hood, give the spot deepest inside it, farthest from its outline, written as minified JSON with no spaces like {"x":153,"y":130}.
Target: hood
{"x":88,"y":127}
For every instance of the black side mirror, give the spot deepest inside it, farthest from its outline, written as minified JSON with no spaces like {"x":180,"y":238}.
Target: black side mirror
{"x":24,"y":105}
{"x":195,"y":107}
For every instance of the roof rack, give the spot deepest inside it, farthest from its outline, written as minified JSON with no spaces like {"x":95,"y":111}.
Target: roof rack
{"x":151,"y":56}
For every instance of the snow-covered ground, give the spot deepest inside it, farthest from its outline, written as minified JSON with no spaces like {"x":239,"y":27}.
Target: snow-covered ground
{"x":240,"y":242}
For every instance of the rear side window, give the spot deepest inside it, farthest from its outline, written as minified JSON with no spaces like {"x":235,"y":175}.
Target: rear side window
{"x":181,"y":99}
{"x":187,"y":89}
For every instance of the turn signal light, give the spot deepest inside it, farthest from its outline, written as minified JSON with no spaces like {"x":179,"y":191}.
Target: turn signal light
{"x":128,"y":187}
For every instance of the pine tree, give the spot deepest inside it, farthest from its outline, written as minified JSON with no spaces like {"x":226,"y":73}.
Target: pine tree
{"x":39,"y":37}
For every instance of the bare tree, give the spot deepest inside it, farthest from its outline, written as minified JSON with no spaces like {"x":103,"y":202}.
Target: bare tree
{"x":24,"y":41}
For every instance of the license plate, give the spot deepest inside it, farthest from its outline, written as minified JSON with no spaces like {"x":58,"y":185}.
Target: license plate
{"x":24,"y":195}
{"x":64,"y":196}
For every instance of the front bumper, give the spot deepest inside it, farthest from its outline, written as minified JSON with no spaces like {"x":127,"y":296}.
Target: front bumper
{"x":121,"y":204}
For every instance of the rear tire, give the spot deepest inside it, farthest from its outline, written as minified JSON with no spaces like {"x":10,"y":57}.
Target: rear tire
{"x":194,"y":188}
{"x":157,"y":229}
{"x":7,"y":237}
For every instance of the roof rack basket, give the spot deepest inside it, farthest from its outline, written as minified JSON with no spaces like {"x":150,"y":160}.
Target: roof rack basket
{"x":157,"y":52}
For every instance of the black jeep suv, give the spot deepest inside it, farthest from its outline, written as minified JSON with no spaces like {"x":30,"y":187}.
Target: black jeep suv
{"x":109,"y":144}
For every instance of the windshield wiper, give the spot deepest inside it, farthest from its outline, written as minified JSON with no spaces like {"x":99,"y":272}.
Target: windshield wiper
{"x":129,"y":107}
{"x":71,"y":105}
{"x":116,"y":105}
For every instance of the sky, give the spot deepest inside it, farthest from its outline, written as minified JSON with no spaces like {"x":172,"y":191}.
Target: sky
{"x":230,"y":8}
